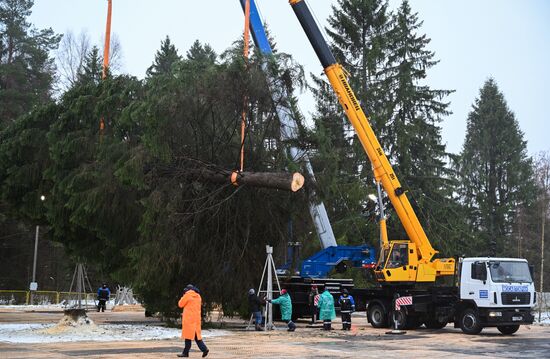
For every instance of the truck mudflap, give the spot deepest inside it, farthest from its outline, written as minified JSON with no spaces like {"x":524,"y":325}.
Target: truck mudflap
{"x":492,"y":317}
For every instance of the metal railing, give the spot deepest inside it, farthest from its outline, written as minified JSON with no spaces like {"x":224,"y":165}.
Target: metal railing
{"x":44,"y":297}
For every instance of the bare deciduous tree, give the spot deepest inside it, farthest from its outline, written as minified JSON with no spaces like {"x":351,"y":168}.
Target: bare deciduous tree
{"x":72,"y":53}
{"x":70,"y":57}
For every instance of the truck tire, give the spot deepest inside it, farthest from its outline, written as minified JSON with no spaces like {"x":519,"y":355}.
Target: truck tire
{"x":433,"y":323}
{"x":508,"y":329}
{"x":402,"y":319}
{"x":469,"y":322}
{"x":413,"y":322}
{"x":378,"y":317}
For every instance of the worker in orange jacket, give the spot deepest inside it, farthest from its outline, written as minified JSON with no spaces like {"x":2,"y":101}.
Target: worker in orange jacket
{"x":191,"y":320}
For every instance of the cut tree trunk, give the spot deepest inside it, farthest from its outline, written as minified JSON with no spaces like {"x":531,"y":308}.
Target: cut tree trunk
{"x":276,"y":180}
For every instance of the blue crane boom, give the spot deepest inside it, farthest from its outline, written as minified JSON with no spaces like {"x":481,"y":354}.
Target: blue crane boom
{"x":289,"y":130}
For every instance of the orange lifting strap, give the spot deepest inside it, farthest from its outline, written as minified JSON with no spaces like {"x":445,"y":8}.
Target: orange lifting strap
{"x":245,"y":54}
{"x":106,"y":50}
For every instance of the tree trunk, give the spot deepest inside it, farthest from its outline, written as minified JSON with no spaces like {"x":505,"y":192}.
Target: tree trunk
{"x":276,"y":180}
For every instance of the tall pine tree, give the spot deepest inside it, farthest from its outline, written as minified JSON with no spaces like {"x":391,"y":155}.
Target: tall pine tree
{"x":496,"y":173}
{"x":26,"y":70}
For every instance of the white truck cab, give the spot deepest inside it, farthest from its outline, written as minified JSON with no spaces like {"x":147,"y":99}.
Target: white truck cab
{"x":494,"y":292}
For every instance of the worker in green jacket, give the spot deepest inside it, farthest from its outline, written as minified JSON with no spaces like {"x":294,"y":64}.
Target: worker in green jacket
{"x":326,"y":309}
{"x":286,"y":308}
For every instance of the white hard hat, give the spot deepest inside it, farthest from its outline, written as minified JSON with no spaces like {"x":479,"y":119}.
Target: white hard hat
{"x":251,"y":291}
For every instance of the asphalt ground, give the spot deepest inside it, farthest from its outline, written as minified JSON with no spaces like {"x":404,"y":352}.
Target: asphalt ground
{"x":362,"y":341}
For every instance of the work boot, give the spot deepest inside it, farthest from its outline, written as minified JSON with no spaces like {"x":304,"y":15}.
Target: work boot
{"x":257,"y":327}
{"x":205,"y":353}
{"x":183,"y":355}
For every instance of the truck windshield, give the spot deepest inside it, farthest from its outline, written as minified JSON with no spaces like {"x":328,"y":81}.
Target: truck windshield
{"x":509,"y":272}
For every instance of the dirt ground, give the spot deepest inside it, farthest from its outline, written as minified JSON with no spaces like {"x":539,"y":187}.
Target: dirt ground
{"x":362,"y":341}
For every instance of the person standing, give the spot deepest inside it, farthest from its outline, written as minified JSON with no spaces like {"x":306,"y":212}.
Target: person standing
{"x":103,"y":294}
{"x":326,"y":309}
{"x":313,"y":301}
{"x":255,"y":306}
{"x":347,"y":306}
{"x":286,"y":309}
{"x":191,"y":302}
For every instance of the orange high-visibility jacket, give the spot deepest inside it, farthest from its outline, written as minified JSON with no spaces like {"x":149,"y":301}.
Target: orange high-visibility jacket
{"x":191,"y":316}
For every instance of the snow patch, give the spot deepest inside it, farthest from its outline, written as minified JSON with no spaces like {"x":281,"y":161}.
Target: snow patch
{"x":48,"y":333}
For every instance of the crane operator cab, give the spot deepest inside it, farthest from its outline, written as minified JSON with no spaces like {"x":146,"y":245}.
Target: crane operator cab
{"x":400,"y":262}
{"x":397,"y":262}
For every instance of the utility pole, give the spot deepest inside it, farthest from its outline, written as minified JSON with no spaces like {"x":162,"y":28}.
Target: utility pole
{"x":34,"y":286}
{"x":544,"y":205}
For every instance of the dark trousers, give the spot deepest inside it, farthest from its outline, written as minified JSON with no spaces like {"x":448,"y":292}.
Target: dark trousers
{"x":313,"y":312}
{"x":200,"y":344}
{"x":346,"y":321}
{"x":327,"y":324}
{"x":101,"y":305}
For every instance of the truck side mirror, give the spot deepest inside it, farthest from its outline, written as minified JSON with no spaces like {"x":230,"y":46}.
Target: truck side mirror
{"x":479,"y":271}
{"x":532,"y":272}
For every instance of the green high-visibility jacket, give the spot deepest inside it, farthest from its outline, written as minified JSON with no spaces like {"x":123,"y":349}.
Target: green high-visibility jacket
{"x":326,"y":306}
{"x":286,"y":306}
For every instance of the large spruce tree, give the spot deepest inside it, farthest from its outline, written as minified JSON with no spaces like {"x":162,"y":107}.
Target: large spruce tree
{"x":388,"y":61}
{"x":496,"y":172}
{"x":359,"y":34}
{"x":413,"y":133}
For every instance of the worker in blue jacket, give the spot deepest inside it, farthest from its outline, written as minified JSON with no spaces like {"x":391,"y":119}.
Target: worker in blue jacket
{"x":347,"y":306}
{"x":103,"y":294}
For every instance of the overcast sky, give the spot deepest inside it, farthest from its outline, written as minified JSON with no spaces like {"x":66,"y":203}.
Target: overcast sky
{"x":508,"y":40}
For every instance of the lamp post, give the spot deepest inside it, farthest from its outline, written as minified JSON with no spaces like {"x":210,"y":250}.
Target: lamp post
{"x":34,"y":286}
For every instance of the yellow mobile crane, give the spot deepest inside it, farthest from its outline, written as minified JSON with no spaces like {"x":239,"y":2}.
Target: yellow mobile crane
{"x":401,"y":261}
{"x":489,"y":292}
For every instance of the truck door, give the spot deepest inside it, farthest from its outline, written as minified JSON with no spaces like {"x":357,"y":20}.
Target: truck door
{"x":473,"y":283}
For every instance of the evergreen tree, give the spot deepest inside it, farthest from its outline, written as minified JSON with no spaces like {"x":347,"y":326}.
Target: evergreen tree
{"x":201,"y":53}
{"x":387,"y":61}
{"x":26,"y":70}
{"x":165,"y":58}
{"x":496,"y":173}
{"x":412,"y":133}
{"x":359,"y":34}
{"x":92,"y":69}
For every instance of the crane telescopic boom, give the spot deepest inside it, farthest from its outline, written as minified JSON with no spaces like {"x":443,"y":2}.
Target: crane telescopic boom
{"x":419,"y":267}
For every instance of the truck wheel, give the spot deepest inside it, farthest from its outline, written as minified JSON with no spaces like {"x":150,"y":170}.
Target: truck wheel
{"x":469,"y":322}
{"x":433,"y":323}
{"x":413,"y":322}
{"x":402,"y":319}
{"x":378,"y":317}
{"x":508,"y":329}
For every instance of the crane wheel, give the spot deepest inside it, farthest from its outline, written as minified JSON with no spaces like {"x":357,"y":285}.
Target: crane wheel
{"x":378,"y":317}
